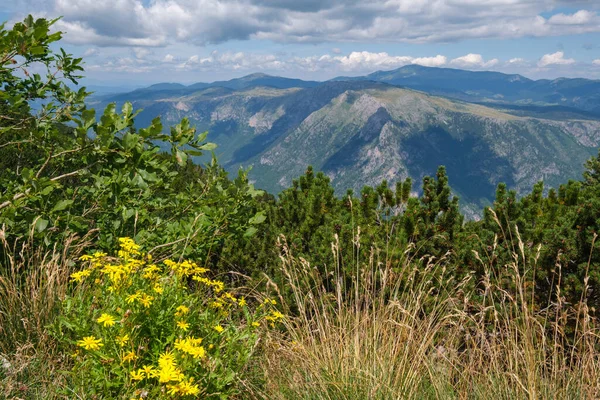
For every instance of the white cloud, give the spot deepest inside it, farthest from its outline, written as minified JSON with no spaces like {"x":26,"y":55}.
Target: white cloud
{"x":581,"y":17}
{"x":516,"y":61}
{"x":232,"y":61}
{"x":364,"y":61}
{"x":357,"y":61}
{"x":557,"y":58}
{"x":141,"y":52}
{"x":336,"y":50}
{"x":472,"y":60}
{"x":163,"y":22}
{"x":90,"y":52}
{"x":596,"y":62}
{"x":361,"y":60}
{"x":436,"y":61}
{"x":124,"y":65}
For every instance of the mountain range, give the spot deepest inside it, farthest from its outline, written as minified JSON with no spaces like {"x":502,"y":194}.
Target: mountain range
{"x":485,"y":127}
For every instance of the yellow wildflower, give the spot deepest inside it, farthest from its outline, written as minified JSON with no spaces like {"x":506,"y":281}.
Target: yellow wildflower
{"x":188,"y":387}
{"x":137,"y":376}
{"x":106,"y":319}
{"x":133,"y":297}
{"x":181,"y":310}
{"x":168,"y":370}
{"x":158,"y":289}
{"x":255,"y":324}
{"x":242,"y":302}
{"x":274,"y":317}
{"x":129,"y":356}
{"x":78,"y":276}
{"x":149,"y":371}
{"x":122,"y":340}
{"x":173,"y":389}
{"x":128,"y":248}
{"x":90,"y":343}
{"x":190,"y":346}
{"x":183,"y":325}
{"x":216,"y":304}
{"x":146,"y":300}
{"x":151,"y":272}
{"x":218,"y":328}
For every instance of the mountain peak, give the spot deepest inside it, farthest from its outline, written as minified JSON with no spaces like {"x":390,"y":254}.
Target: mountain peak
{"x":258,"y":75}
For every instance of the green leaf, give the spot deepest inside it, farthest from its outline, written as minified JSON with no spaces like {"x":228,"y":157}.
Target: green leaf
{"x":37,"y":50}
{"x":258,"y":218}
{"x":62,"y":205}
{"x":127,"y":109}
{"x":41,"y":224}
{"x":208,"y":146}
{"x":251,"y":231}
{"x":181,"y":157}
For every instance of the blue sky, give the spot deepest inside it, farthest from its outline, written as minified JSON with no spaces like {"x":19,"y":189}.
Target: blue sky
{"x":136,"y":42}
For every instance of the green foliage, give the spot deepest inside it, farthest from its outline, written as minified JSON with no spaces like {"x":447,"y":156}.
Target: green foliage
{"x":66,"y":171}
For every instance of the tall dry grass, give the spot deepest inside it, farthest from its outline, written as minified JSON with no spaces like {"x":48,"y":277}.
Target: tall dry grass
{"x":33,"y":281}
{"x":414,"y":332}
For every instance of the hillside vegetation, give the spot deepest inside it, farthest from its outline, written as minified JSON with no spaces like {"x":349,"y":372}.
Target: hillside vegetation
{"x":128,"y":271}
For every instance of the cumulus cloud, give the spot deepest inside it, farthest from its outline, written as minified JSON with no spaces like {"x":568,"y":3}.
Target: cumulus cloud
{"x":141,"y":52}
{"x":361,"y":60}
{"x":123,"y":65}
{"x":436,"y":61}
{"x":364,"y":61}
{"x":162,"y":22}
{"x":232,"y":61}
{"x":90,"y":52}
{"x":356,"y":62}
{"x":324,"y":65}
{"x":557,"y":58}
{"x":473,"y":61}
{"x":581,"y":17}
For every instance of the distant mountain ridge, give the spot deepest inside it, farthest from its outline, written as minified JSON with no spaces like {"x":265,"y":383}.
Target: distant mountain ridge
{"x":472,"y":86}
{"x":360,"y":131}
{"x":488,"y":86}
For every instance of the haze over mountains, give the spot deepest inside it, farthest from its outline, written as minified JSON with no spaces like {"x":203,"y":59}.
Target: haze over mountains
{"x":485,"y":127}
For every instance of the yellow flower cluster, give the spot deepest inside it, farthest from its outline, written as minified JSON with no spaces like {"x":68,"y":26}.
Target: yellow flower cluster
{"x":132,"y":290}
{"x":273,"y":317}
{"x":168,"y":370}
{"x":185,"y":268}
{"x":181,"y":311}
{"x":129,"y":249}
{"x":218,"y":286}
{"x":79,"y":275}
{"x":191,"y":346}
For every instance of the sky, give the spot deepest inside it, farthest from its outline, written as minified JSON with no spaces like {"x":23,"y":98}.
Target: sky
{"x":139,"y":42}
